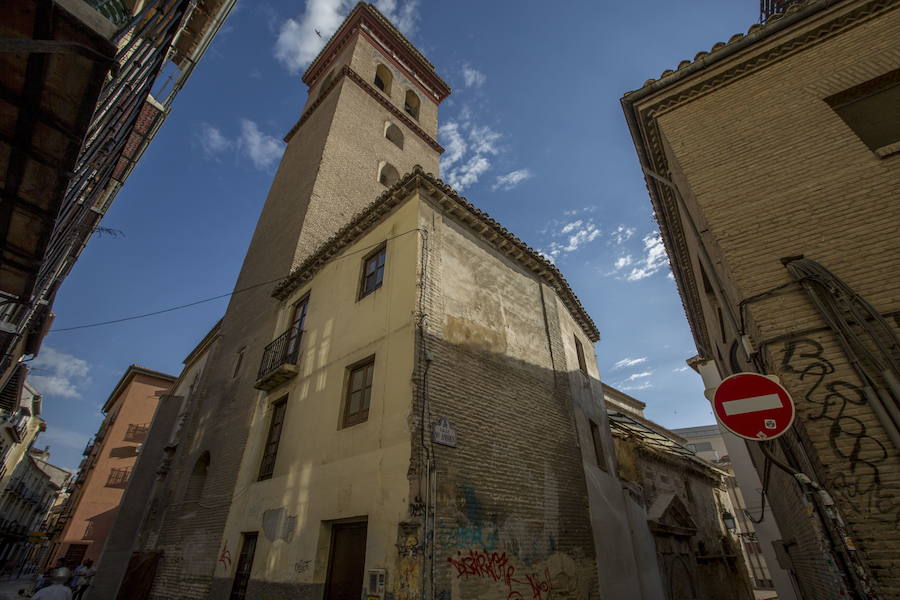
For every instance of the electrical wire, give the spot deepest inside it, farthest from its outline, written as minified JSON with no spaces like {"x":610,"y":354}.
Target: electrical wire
{"x":210,"y":299}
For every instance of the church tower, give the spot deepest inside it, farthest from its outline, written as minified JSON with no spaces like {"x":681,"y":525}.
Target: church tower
{"x":371,"y":115}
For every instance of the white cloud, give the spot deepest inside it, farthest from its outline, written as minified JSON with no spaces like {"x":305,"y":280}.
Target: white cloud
{"x":473,"y":77}
{"x":467,"y":148}
{"x":569,"y":237}
{"x":644,"y":385}
{"x":262,"y":149}
{"x":629,"y":362}
{"x":468,"y":173}
{"x":622,"y":262}
{"x":654,"y":258}
{"x":483,"y":139}
{"x":621,"y":234}
{"x":454,"y":144}
{"x":636,"y":376}
{"x":579,"y":211}
{"x":212,"y":141}
{"x":402,"y":14}
{"x":681,"y":369}
{"x":568,"y":227}
{"x":56,"y":373}
{"x":298,"y":42}
{"x":511,"y":179}
{"x":635,"y":381}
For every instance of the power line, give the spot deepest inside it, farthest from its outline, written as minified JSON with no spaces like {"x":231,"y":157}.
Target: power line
{"x":204,"y":300}
{"x":165,"y":310}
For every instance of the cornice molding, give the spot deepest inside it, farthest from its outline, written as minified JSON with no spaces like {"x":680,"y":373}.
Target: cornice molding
{"x":646,"y":117}
{"x":787,"y":48}
{"x":485,"y":227}
{"x":366,"y":18}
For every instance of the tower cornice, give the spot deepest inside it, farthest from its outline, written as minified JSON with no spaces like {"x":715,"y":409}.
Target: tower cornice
{"x":366,"y":20}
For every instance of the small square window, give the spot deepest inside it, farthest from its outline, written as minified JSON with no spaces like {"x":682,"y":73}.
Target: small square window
{"x":373,"y":272}
{"x":359,"y":392}
{"x":582,"y":365}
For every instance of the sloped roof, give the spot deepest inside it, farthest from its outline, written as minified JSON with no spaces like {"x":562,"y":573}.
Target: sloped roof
{"x":755,"y":31}
{"x":489,"y":230}
{"x":126,"y":377}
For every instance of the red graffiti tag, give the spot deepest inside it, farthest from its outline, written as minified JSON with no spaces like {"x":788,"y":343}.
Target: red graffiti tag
{"x":495,"y":566}
{"x":225,"y":556}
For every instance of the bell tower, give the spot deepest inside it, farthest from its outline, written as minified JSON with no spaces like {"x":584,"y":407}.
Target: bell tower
{"x":371,"y":115}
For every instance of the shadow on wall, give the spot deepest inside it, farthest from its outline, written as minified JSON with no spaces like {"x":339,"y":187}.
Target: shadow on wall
{"x":99,"y":525}
{"x":123,"y":452}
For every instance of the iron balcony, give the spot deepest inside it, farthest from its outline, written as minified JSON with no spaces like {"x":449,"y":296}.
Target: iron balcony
{"x":279,"y":361}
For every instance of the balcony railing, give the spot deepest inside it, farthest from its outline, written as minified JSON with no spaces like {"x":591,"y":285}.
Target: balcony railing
{"x":279,"y":361}
{"x":137,"y":432}
{"x":118,"y":478}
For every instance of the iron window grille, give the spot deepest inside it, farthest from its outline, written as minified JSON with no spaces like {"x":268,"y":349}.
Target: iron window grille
{"x":118,"y":478}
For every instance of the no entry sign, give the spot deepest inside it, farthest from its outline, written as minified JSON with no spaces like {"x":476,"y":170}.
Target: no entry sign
{"x":753,"y":406}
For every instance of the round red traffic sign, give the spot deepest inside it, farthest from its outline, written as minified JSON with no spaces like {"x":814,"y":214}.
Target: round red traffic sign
{"x":753,"y":406}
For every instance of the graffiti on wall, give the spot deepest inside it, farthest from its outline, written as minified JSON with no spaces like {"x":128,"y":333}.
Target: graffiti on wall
{"x":225,"y":557}
{"x":495,"y":566}
{"x":451,"y":536}
{"x":302,"y":566}
{"x":832,"y":399}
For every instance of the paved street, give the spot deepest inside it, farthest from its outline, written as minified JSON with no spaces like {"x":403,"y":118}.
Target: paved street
{"x":9,"y":588}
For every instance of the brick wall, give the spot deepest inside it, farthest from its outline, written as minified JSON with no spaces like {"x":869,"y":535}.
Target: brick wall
{"x":511,"y":496}
{"x":768,"y":170}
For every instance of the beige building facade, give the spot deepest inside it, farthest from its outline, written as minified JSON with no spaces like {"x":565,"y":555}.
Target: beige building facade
{"x":415,"y":415}
{"x":772,"y":165}
{"x":415,"y":412}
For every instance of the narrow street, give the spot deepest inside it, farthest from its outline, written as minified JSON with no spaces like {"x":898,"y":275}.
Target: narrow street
{"x":9,"y":588}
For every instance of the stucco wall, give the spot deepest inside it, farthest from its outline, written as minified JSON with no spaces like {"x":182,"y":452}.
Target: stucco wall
{"x":326,"y":473}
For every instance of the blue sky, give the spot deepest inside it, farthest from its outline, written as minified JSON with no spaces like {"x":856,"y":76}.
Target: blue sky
{"x":534,"y":135}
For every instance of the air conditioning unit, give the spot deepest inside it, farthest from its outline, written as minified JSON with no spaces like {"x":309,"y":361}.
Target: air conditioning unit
{"x":375,"y":584}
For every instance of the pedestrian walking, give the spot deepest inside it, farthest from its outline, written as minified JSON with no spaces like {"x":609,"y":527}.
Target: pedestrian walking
{"x":84,"y":575}
{"x":58,"y":590}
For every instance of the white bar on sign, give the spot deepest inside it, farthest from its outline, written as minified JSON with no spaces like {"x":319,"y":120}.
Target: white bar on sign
{"x":754,"y":404}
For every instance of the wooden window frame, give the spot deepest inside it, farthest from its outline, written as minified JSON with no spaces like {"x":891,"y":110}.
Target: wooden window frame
{"x":296,"y":324}
{"x":382,"y":249}
{"x":579,"y":350}
{"x":270,"y":448}
{"x":599,"y":454}
{"x":349,"y":419}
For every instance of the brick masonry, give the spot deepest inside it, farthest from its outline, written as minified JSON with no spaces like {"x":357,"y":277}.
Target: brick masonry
{"x":768,"y":170}
{"x":329,"y":171}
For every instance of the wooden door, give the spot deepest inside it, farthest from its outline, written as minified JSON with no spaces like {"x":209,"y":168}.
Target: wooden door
{"x":347,"y":561}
